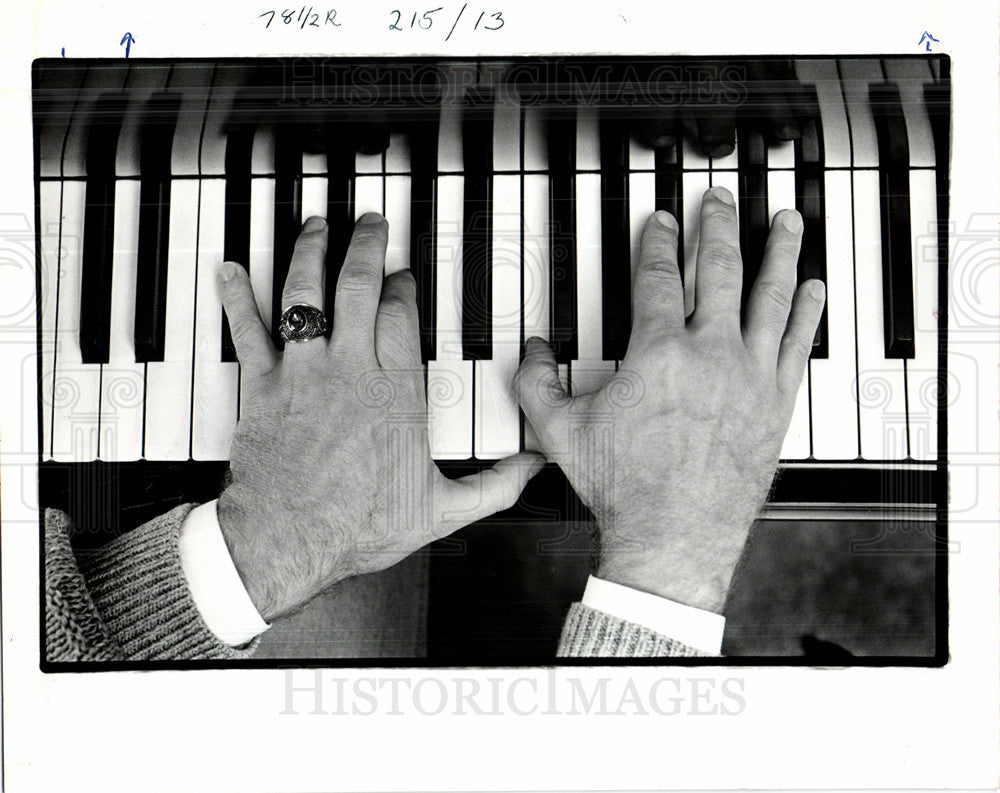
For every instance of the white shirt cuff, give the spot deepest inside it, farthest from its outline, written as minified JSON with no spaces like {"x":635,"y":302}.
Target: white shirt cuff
{"x":215,"y":585}
{"x":697,"y":628}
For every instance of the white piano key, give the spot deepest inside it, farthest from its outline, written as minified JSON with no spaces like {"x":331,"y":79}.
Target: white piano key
{"x":834,"y":400}
{"x":836,"y":136}
{"x":450,"y":138}
{"x":449,"y":378}
{"x":506,"y":133}
{"x":77,"y":386}
{"x":535,"y":278}
{"x":397,"y":156}
{"x":588,"y":139}
{"x":497,"y":417}
{"x":369,"y":163}
{"x":781,"y":195}
{"x":368,"y":195}
{"x":536,"y":148}
{"x":262,"y":151}
{"x":881,"y":386}
{"x":856,"y":76}
{"x":313,"y":165}
{"x":641,"y":204}
{"x":142,"y":82}
{"x":168,"y":382}
{"x":397,"y":211}
{"x":694,"y":185}
{"x":921,"y":374}
{"x":193,"y":81}
{"x":910,"y":77}
{"x":313,"y":196}
{"x":729,"y":162}
{"x":262,"y":244}
{"x":215,"y":383}
{"x":589,"y":372}
{"x":781,"y":154}
{"x":99,"y":79}
{"x":123,"y":381}
{"x":50,"y":213}
{"x":692,"y":158}
{"x":212,"y":154}
{"x":640,"y":156}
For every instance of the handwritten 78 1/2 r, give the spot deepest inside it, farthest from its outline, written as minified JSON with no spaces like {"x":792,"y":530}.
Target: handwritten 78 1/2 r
{"x":399,"y":20}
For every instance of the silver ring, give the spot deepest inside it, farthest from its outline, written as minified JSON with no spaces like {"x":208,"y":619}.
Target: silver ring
{"x":302,"y":322}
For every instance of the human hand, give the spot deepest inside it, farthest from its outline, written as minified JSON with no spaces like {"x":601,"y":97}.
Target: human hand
{"x":332,"y":472}
{"x":675,"y":453}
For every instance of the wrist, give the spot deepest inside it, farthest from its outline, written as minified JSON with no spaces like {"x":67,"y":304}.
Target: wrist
{"x":247,"y":555}
{"x":691,"y":567}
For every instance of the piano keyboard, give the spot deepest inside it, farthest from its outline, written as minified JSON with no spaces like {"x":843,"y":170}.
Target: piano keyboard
{"x":515,"y":220}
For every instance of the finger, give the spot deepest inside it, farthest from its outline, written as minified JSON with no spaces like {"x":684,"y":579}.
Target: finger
{"x":771,"y":296}
{"x":477,"y":496}
{"x":797,"y":343}
{"x":251,"y":339}
{"x":304,"y":282}
{"x":657,"y":290}
{"x":719,"y":274}
{"x":537,"y":384}
{"x":397,"y":342}
{"x":360,"y":284}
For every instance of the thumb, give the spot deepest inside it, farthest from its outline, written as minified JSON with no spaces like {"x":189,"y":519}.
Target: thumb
{"x":477,"y":496}
{"x":537,"y":383}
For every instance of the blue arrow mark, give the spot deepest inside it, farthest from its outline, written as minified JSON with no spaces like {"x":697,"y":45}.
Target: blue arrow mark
{"x":127,"y":40}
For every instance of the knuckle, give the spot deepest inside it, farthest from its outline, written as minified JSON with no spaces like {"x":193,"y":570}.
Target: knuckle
{"x":298,"y":288}
{"x":395,"y":306}
{"x":358,"y":279}
{"x":773,"y":299}
{"x":659,"y":275}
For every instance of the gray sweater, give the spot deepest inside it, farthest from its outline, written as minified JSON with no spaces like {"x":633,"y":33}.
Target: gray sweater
{"x":129,"y":600}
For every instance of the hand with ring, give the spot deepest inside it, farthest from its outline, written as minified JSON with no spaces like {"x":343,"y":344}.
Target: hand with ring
{"x":332,"y":471}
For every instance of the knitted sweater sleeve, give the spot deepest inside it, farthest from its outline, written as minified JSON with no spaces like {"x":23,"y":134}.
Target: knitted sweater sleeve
{"x":591,"y":633}
{"x":128,"y":600}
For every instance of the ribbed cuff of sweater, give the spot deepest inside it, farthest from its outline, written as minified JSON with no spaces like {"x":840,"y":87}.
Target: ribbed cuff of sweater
{"x":588,"y":632}
{"x":141,"y":595}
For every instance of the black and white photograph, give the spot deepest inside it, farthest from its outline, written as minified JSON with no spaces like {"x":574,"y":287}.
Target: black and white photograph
{"x":442,"y":385}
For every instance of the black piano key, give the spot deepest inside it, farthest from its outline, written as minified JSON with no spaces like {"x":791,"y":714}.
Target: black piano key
{"x":753,"y":211}
{"x":339,"y":211}
{"x":477,"y":255}
{"x":811,"y":204}
{"x":159,"y":121}
{"x":98,"y":228}
{"x":236,"y":240}
{"x":287,"y":215}
{"x":423,"y":247}
{"x":669,"y":187}
{"x":561,"y":134}
{"x":616,"y":268}
{"x":894,"y":200}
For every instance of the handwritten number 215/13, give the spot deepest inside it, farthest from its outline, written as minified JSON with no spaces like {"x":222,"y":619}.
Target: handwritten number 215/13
{"x":426,"y":20}
{"x":302,"y":17}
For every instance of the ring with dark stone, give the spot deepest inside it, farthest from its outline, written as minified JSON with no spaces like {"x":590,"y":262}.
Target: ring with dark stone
{"x":302,"y":322}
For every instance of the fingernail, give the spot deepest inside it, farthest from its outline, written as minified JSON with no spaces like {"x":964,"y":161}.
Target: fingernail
{"x":817,"y":289}
{"x":722,"y":149}
{"x":666,"y":219}
{"x":723,"y":195}
{"x":370,"y":219}
{"x":227,"y":271}
{"x":786,"y":132}
{"x":662,"y":141}
{"x":315,"y":223}
{"x":791,"y":220}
